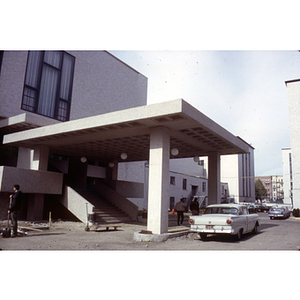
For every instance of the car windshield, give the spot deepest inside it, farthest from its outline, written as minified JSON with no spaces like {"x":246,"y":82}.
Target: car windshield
{"x":221,"y":210}
{"x":276,"y":209}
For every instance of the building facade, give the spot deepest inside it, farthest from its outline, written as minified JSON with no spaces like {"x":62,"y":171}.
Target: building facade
{"x":274,"y":186}
{"x":293,"y":92}
{"x":188,"y":178}
{"x":68,"y":119}
{"x":238,"y":171}
{"x":42,"y":88}
{"x":287,"y":175}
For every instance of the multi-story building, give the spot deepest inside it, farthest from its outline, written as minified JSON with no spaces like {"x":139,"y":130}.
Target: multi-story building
{"x":277,"y":188}
{"x":274,"y":186}
{"x":188,"y":178}
{"x":238,"y":172}
{"x":267,"y":183}
{"x":291,"y":161}
{"x":287,"y":175}
{"x":68,"y":119}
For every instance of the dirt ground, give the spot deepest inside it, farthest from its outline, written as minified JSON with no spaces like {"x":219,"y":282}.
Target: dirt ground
{"x":67,"y":235}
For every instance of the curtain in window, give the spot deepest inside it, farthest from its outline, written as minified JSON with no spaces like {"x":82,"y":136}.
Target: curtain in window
{"x":53,"y":58}
{"x":66,"y":77}
{"x":48,"y":91}
{"x":33,"y":68}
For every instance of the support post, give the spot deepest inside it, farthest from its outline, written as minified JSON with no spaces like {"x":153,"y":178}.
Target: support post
{"x":158,"y":194}
{"x":214,"y":181}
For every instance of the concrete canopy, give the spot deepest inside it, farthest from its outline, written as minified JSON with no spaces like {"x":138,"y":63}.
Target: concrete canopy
{"x":105,"y":137}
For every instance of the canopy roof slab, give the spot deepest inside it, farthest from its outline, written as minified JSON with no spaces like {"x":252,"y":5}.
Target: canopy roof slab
{"x":105,"y":137}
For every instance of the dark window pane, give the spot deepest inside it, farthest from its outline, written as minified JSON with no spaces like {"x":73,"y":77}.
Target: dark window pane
{"x":66,"y":77}
{"x":48,"y":91}
{"x":33,"y":68}
{"x":29,"y":99}
{"x":53,"y":58}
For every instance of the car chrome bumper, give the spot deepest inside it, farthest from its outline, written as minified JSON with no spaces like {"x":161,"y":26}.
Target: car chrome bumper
{"x":217,"y":230}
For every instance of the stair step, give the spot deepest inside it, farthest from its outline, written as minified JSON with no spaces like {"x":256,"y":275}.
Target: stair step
{"x":104,"y":211}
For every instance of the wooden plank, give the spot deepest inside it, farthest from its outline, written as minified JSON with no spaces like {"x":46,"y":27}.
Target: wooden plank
{"x":30,"y":228}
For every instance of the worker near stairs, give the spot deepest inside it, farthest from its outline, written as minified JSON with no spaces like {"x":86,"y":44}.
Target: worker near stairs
{"x":180,"y":208}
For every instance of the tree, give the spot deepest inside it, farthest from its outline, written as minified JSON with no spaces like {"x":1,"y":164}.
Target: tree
{"x":260,"y":190}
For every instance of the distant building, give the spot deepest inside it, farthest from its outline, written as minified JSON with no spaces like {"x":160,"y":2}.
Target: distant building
{"x":238,"y":172}
{"x":188,"y":178}
{"x":274,"y":186}
{"x":267,"y":183}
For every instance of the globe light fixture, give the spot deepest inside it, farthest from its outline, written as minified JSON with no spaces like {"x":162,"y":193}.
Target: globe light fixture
{"x":83,"y":159}
{"x":123,"y":156}
{"x":174,"y":151}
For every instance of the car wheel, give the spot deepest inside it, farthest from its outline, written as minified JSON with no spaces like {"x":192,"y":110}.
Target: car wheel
{"x":255,"y":229}
{"x":239,"y":235}
{"x":203,"y":236}
{"x":271,"y":218}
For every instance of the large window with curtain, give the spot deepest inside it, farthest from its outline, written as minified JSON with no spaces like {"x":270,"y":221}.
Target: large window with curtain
{"x":48,"y":84}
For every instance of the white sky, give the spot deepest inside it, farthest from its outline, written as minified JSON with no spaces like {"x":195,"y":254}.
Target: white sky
{"x":243,"y":91}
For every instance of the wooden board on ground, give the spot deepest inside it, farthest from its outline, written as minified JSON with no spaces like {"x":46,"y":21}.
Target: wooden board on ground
{"x":107,"y":226}
{"x":30,"y":228}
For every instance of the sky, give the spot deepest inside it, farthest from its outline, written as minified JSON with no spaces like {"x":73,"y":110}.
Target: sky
{"x":228,"y":59}
{"x":243,"y":91}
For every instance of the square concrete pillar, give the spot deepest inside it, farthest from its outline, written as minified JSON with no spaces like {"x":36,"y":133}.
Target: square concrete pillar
{"x":158,"y":194}
{"x":35,"y":207}
{"x":33,"y":159}
{"x":112,"y":171}
{"x":214,"y":178}
{"x":77,"y":173}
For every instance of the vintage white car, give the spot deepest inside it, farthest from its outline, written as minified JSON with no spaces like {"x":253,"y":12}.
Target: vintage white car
{"x":233,"y":219}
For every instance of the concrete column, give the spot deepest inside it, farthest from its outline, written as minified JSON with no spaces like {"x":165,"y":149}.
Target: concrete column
{"x":35,"y":207}
{"x":214,"y":175}
{"x":158,"y":195}
{"x":33,"y":159}
{"x":112,"y":172}
{"x":77,"y":173}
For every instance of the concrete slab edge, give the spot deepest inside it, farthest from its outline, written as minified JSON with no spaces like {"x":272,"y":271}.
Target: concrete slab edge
{"x":142,"y":237}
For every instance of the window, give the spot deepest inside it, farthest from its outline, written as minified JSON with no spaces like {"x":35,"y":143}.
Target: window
{"x":48,"y":84}
{"x":201,"y":163}
{"x":172,"y":180}
{"x":203,"y":186}
{"x":184,"y":182}
{"x":172,"y":202}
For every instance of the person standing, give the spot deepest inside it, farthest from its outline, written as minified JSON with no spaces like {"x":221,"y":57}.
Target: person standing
{"x":180,"y":208}
{"x":15,"y":205}
{"x":194,"y":207}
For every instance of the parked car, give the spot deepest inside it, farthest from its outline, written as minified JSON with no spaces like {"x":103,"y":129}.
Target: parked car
{"x":264,"y":207}
{"x":287,"y":211}
{"x":232,"y":219}
{"x":258,"y":207}
{"x":252,"y":209}
{"x":278,"y":212}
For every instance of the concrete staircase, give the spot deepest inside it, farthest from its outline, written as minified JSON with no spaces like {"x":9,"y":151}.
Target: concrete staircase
{"x":104,"y":211}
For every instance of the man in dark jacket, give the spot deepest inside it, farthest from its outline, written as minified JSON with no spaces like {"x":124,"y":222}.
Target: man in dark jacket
{"x":14,"y":208}
{"x":194,"y":207}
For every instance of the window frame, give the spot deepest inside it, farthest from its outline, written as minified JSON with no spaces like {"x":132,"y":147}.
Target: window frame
{"x":184,"y":184}
{"x":172,"y":180}
{"x":61,"y":104}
